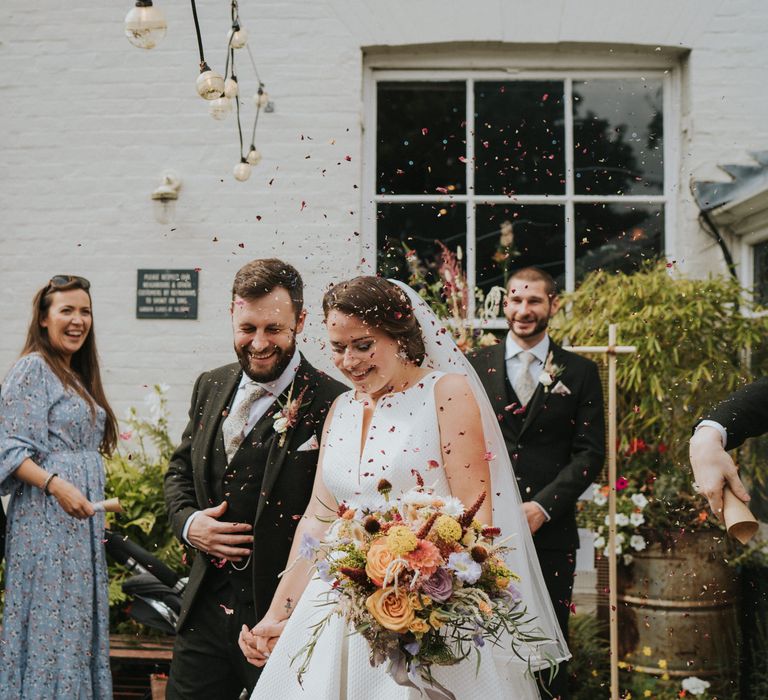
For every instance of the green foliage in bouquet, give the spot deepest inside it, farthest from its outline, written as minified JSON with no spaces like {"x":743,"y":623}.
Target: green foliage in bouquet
{"x":135,"y":475}
{"x":692,"y":338}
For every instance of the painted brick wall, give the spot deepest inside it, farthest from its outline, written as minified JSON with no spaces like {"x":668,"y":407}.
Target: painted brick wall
{"x":89,"y":124}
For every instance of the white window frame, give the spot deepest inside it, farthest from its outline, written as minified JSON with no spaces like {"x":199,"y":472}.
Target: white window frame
{"x":374,"y":74}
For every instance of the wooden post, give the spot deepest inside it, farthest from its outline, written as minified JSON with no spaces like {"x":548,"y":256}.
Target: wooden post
{"x":611,"y":350}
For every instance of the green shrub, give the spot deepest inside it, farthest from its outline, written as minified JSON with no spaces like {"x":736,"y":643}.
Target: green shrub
{"x":135,"y":475}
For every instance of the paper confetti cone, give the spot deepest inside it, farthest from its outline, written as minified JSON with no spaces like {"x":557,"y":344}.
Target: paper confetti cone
{"x":739,"y":521}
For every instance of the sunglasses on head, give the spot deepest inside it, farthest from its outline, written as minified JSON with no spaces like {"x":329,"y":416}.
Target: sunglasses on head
{"x":59,"y":281}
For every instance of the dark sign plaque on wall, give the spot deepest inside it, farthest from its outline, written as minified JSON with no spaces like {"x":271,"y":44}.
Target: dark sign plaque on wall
{"x":167,"y":294}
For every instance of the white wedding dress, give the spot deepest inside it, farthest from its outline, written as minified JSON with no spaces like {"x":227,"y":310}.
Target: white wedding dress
{"x":403,"y":436}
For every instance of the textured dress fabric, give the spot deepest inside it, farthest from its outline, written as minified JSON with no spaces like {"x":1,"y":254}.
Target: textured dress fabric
{"x":404,"y":435}
{"x":55,"y":639}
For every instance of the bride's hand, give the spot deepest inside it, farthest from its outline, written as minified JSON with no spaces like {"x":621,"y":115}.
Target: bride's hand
{"x":257,"y":644}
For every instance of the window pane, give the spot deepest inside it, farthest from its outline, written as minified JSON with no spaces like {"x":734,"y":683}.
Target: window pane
{"x":617,"y":237}
{"x":618,"y":136}
{"x":519,"y":136}
{"x":420,"y":136}
{"x":760,"y":273}
{"x":417,"y":226}
{"x":513,"y":236}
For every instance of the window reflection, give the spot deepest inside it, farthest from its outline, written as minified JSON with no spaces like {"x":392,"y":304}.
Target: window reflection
{"x":519,"y":137}
{"x":617,"y":237}
{"x":618,"y":136}
{"x":417,"y":227}
{"x":420,"y":138}
{"x":511,"y":237}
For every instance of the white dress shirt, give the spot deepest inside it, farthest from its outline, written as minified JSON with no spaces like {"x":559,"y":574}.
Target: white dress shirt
{"x":259,"y":407}
{"x":512,"y":360}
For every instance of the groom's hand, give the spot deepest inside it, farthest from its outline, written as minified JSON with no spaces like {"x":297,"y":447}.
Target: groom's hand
{"x":219,"y":540}
{"x":534,"y":515}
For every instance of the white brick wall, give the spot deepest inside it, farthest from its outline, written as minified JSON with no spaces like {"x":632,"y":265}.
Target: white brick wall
{"x":89,"y":123}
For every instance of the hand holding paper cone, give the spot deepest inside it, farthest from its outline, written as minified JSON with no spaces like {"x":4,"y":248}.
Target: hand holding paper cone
{"x":739,"y":521}
{"x":111,"y":505}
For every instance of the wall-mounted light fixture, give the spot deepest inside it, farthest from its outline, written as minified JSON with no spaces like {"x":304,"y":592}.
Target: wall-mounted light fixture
{"x":165,"y":196}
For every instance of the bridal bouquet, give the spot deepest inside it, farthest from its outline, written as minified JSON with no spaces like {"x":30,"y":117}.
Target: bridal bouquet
{"x":421,"y":580}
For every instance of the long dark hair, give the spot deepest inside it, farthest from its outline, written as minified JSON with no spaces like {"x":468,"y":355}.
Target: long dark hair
{"x":382,"y":305}
{"x":82,"y":375}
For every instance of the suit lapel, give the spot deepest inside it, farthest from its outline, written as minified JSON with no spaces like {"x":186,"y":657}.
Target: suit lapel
{"x":277,"y":452}
{"x":541,"y":394}
{"x":496,"y":379}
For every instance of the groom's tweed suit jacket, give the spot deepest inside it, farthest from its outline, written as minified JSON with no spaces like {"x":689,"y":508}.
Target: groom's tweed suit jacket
{"x":557,"y":445}
{"x":266,"y":483}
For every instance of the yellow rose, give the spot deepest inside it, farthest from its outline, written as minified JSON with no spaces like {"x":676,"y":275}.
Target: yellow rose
{"x":391,"y":608}
{"x":378,"y":559}
{"x":437,"y":619}
{"x":418,"y":626}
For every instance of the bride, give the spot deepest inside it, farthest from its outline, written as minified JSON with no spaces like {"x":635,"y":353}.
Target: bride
{"x":416,"y":404}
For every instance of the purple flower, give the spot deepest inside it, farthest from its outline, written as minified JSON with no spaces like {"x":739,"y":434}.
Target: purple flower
{"x":308,"y":547}
{"x":515,"y":596}
{"x":412,"y":647}
{"x":323,"y":571}
{"x":466,"y":568}
{"x":477,"y":638}
{"x":438,"y":586}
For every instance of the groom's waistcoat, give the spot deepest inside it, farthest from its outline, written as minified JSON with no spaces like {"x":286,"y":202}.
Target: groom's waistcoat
{"x":239,"y":482}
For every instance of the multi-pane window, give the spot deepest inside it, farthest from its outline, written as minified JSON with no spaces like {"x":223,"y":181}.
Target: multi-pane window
{"x":565,"y":173}
{"x":760,"y":272}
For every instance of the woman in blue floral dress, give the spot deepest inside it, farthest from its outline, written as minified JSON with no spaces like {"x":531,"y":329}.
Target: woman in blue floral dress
{"x":55,"y":423}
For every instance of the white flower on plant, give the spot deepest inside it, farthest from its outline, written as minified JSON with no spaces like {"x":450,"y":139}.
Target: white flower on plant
{"x":622,"y":520}
{"x":620,"y":537}
{"x":639,"y":500}
{"x":695,"y":686}
{"x":599,"y":542}
{"x":599,"y":499}
{"x":453,"y":507}
{"x":607,"y":552}
{"x":637,"y":519}
{"x":627,"y":559}
{"x":637,"y":543}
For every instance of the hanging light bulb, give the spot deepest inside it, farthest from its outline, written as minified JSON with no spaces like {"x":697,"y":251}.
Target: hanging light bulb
{"x":145,"y":25}
{"x":254,"y":155}
{"x":210,"y":85}
{"x":237,"y":37}
{"x":242,"y":171}
{"x":231,"y":88}
{"x":261,"y":98}
{"x":220,"y":108}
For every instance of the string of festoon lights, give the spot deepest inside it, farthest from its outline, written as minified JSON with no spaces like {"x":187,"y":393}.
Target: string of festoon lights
{"x":145,"y":26}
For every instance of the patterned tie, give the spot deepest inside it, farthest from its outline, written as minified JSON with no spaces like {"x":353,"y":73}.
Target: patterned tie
{"x":524,"y":385}
{"x":234,"y":424}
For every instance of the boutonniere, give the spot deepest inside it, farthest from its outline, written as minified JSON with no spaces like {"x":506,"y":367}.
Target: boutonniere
{"x":551,"y":372}
{"x":288,"y":415}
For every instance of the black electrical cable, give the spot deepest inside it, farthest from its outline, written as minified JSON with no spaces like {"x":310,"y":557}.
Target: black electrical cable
{"x":714,"y":232}
{"x":197,"y":31}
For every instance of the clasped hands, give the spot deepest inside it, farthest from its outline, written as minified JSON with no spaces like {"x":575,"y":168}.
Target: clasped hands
{"x":257,"y":644}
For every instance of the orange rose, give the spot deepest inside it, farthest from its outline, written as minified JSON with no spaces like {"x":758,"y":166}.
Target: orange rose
{"x":418,"y":626}
{"x":391,"y":608}
{"x":378,"y":559}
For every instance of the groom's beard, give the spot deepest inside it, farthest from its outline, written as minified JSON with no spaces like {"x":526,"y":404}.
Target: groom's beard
{"x":280,"y":360}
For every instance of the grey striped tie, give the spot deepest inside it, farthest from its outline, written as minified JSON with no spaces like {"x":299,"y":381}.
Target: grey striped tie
{"x":524,"y":385}
{"x":234,"y":424}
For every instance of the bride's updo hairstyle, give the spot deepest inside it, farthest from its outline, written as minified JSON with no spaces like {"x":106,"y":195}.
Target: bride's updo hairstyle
{"x":379,"y":304}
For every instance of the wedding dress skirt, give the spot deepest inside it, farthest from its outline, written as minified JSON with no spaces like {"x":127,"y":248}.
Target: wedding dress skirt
{"x":404,"y":435}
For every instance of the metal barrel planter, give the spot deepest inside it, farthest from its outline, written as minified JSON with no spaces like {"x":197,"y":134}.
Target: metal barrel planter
{"x":678,"y":609}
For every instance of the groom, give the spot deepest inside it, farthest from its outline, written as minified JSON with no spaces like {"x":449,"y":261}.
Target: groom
{"x":240,"y":479}
{"x":549,"y":403}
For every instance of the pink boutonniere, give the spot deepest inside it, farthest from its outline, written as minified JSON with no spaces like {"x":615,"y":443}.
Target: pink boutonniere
{"x":551,"y":372}
{"x":288,"y":415}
